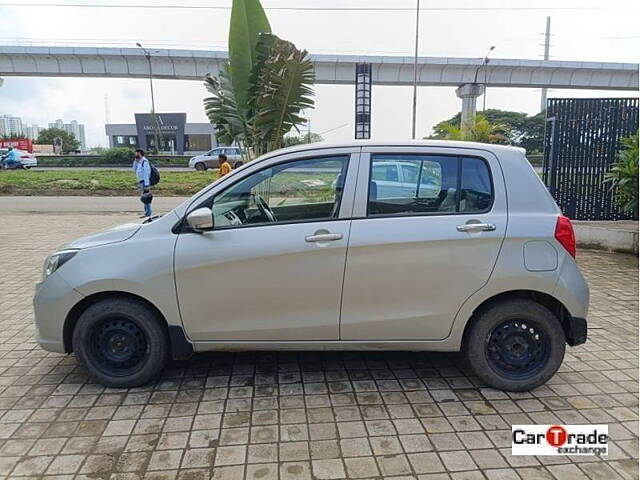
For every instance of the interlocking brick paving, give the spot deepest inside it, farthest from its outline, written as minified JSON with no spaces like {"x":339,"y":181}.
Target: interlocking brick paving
{"x":302,"y":415}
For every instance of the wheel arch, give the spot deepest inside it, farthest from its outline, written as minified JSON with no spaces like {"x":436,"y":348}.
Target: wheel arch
{"x":555,"y":306}
{"x":180,"y":346}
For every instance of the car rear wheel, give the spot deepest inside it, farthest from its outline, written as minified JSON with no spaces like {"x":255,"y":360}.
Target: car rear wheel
{"x":515,"y":345}
{"x":121,"y":343}
{"x":201,"y":167}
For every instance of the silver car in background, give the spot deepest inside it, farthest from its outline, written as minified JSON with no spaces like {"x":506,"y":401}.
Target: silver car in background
{"x":430,"y":245}
{"x":210,"y":159}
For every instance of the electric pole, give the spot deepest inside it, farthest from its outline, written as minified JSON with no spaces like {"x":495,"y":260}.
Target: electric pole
{"x":547,"y":39}
{"x":415,"y":72}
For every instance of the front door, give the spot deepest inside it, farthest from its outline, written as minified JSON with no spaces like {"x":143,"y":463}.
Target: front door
{"x":414,"y":253}
{"x":272,"y":268}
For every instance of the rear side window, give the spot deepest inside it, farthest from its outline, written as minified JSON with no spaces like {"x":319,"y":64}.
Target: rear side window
{"x":428,"y":184}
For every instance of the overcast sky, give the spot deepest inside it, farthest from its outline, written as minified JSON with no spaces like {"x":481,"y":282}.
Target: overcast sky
{"x":597,"y":30}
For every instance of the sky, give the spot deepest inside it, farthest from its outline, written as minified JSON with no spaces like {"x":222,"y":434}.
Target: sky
{"x":591,"y":30}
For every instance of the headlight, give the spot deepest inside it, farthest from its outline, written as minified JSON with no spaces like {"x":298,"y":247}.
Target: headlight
{"x":55,"y":261}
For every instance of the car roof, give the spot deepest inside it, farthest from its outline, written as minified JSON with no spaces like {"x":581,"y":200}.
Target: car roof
{"x":394,"y":143}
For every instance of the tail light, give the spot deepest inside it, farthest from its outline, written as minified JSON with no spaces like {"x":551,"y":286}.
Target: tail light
{"x":25,"y":156}
{"x":564,"y":234}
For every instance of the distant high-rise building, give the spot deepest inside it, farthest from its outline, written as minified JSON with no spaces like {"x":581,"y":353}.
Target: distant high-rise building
{"x":10,"y":125}
{"x":77,"y":129}
{"x":32,"y":131}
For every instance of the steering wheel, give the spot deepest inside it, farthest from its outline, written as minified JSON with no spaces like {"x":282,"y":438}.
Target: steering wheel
{"x":264,"y":208}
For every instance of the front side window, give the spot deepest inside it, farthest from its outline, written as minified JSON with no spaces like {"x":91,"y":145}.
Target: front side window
{"x":424,"y":184}
{"x":296,"y":191}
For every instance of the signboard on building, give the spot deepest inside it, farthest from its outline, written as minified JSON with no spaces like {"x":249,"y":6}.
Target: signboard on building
{"x":170,"y":130}
{"x":23,"y":144}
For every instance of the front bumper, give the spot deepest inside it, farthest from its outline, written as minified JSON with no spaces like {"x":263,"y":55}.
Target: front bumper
{"x":576,"y":331}
{"x":52,"y":302}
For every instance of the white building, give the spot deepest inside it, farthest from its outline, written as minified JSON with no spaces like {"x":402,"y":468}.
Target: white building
{"x":10,"y":125}
{"x":32,"y":131}
{"x":77,"y":129}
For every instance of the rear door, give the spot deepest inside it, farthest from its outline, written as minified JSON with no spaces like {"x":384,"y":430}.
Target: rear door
{"x":417,"y":252}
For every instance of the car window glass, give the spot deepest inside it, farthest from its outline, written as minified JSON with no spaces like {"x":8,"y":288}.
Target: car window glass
{"x":428,"y":184}
{"x":301,"y":190}
{"x":475,"y":186}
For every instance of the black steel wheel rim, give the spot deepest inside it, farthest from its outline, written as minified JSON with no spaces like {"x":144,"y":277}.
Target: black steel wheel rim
{"x":119,"y":346}
{"x":517,"y":349}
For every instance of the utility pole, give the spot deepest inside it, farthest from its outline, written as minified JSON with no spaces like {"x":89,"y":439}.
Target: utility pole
{"x":154,"y":119}
{"x":547,"y":40}
{"x":415,"y":71}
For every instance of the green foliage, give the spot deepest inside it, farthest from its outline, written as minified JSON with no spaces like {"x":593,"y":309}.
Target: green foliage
{"x":521,"y":129}
{"x":69,"y":141}
{"x":118,"y":155}
{"x":248,"y":21}
{"x":623,"y":176}
{"x":280,"y":87}
{"x":299,"y":139}
{"x":480,"y":129}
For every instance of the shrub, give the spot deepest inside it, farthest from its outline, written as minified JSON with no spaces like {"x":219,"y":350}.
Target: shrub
{"x":115,"y":156}
{"x":623,"y":176}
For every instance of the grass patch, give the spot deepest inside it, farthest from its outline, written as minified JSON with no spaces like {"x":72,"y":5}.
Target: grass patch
{"x":98,"y":182}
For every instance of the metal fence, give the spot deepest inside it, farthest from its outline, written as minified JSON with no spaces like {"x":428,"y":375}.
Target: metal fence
{"x":582,"y":138}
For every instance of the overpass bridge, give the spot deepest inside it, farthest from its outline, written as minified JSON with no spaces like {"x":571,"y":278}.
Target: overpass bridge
{"x":468,"y":74}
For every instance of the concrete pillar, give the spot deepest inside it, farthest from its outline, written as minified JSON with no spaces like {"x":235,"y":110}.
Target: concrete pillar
{"x":468,"y":92}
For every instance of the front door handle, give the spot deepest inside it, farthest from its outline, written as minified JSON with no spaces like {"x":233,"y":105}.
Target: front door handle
{"x":323,"y":237}
{"x":476,"y":227}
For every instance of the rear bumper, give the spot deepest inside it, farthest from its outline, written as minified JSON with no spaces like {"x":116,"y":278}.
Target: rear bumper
{"x":576,"y":331}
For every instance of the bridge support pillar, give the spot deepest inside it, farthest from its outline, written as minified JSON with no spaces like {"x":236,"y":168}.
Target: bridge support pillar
{"x":468,"y":92}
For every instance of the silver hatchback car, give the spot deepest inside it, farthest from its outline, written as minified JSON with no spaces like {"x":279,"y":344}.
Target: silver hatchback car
{"x":314,"y":247}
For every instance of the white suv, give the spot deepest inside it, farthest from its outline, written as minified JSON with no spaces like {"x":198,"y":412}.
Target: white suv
{"x":306,"y":248}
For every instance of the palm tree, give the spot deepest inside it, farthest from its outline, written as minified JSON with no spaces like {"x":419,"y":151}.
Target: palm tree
{"x":478,"y":129}
{"x":259,"y":94}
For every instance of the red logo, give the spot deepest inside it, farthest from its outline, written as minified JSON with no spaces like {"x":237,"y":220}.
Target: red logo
{"x":556,"y":436}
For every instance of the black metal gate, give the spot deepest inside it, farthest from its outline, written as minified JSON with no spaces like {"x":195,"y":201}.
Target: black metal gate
{"x":582,"y":138}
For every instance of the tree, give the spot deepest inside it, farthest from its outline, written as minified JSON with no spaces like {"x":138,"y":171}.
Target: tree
{"x":260,"y":93}
{"x":300,"y":139}
{"x":623,"y":176}
{"x":523,"y":130}
{"x":49,"y":135}
{"x":480,"y":129}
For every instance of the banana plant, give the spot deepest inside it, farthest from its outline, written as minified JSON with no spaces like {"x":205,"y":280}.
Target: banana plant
{"x":280,"y":86}
{"x":260,"y":92}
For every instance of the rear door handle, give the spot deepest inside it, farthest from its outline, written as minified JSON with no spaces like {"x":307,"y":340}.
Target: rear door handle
{"x":323,"y":237}
{"x":476,"y":227}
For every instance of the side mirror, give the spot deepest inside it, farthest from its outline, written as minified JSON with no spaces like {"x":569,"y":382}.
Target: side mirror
{"x":201,"y":219}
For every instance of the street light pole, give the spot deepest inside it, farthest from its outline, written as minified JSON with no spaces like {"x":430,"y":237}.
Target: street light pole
{"x":415,"y":71}
{"x":154,"y":119}
{"x":484,"y":63}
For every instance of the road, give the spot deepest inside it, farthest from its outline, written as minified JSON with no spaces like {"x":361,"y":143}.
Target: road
{"x":122,"y":169}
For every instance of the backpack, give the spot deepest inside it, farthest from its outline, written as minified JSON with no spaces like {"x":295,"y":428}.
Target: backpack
{"x":154,"y":176}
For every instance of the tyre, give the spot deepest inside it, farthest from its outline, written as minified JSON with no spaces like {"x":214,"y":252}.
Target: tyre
{"x":121,"y":343}
{"x":515,"y":345}
{"x":201,"y":167}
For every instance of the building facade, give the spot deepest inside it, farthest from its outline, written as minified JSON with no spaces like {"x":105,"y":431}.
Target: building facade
{"x":32,"y":131}
{"x":10,"y":126}
{"x":77,"y":129}
{"x":174,"y":134}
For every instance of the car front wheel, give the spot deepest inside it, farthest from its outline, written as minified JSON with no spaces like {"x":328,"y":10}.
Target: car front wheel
{"x":121,"y":343}
{"x":201,"y":167}
{"x":515,"y":345}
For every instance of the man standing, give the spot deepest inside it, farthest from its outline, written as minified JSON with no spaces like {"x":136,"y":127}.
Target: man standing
{"x":142,"y":170}
{"x":224,"y":167}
